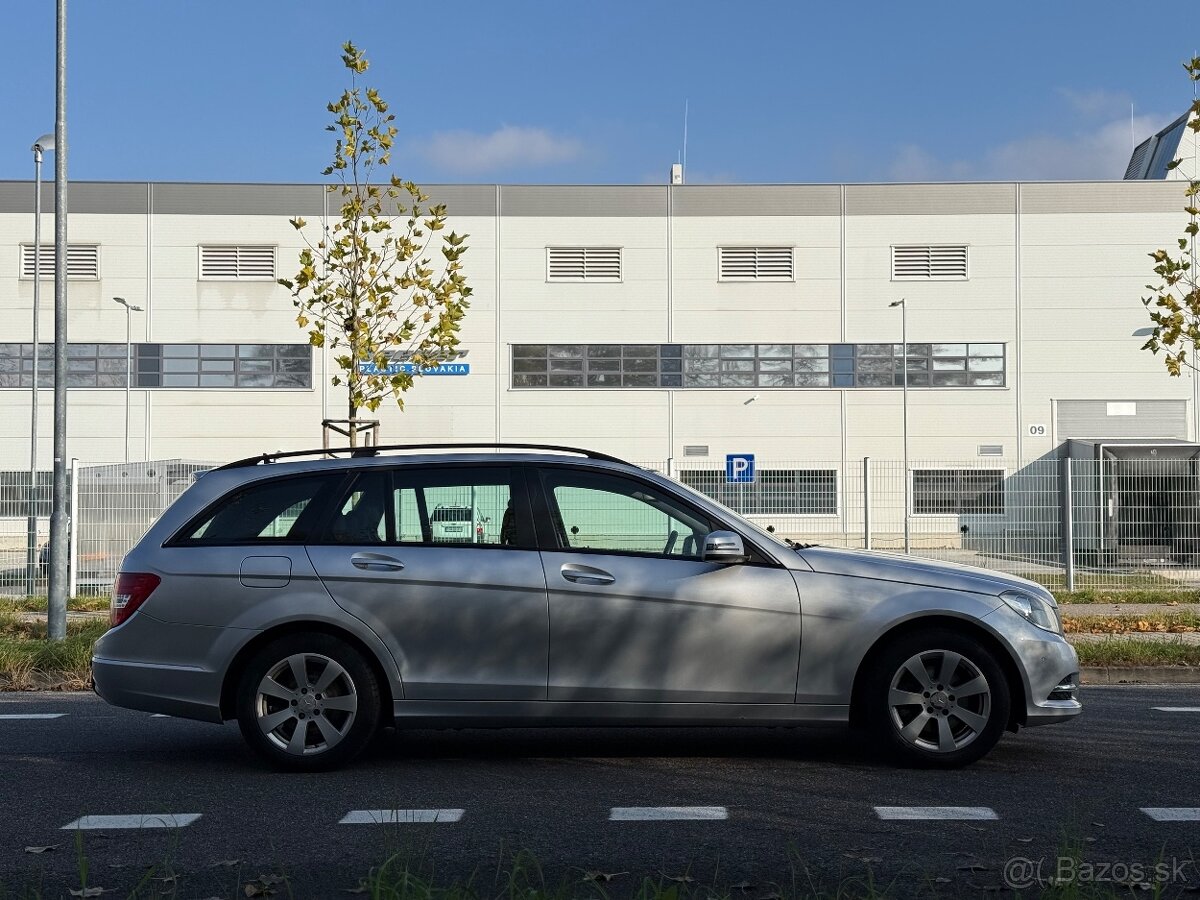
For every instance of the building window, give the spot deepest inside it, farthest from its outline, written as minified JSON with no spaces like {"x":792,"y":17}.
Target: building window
{"x":83,"y":260}
{"x":254,"y":366}
{"x":755,"y":264}
{"x":583,"y":263}
{"x":237,"y":263}
{"x":929,"y":263}
{"x":757,"y":365}
{"x":790,"y":492}
{"x":954,"y":492}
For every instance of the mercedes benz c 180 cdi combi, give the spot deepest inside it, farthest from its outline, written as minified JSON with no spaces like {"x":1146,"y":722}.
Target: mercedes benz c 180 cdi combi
{"x":315,"y":599}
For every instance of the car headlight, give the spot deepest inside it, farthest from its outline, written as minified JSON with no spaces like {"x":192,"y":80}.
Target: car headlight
{"x":1034,"y":610}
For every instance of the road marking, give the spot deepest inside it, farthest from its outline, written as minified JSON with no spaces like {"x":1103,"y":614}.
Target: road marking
{"x":153,"y":820}
{"x":400,"y":816}
{"x":667,"y":814}
{"x":32,"y":716}
{"x":1195,"y":709}
{"x":1173,"y":813}
{"x":908,"y":813}
{"x":159,"y":716}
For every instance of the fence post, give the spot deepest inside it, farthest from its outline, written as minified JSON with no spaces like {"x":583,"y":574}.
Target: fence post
{"x":866,"y":503}
{"x":73,"y":534}
{"x":1067,"y":540}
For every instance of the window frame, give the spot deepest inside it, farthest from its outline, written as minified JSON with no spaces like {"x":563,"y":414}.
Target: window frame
{"x":549,"y":541}
{"x":1001,"y":471}
{"x":316,"y":509}
{"x":518,"y":491}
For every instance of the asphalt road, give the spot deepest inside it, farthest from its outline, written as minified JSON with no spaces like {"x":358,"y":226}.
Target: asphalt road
{"x":799,"y":805}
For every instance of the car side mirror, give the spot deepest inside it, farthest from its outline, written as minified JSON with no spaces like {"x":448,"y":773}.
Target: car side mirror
{"x":724,"y":547}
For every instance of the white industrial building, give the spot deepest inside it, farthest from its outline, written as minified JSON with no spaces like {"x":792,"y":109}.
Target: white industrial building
{"x":659,"y":323}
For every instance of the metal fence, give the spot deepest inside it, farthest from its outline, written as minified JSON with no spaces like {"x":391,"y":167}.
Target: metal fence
{"x":1109,"y":523}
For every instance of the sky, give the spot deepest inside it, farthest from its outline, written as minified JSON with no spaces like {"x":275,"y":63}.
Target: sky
{"x":571,"y":92}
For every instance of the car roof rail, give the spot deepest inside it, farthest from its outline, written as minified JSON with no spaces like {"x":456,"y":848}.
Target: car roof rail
{"x":374,"y":450}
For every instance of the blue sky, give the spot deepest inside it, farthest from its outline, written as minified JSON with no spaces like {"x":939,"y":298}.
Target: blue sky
{"x":181,"y":90}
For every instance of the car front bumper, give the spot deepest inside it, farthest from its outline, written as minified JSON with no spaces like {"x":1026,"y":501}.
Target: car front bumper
{"x":1049,"y":668}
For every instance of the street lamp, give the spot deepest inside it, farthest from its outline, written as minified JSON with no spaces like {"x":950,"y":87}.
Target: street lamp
{"x":129,"y":308}
{"x":42,"y":144}
{"x":907,"y":476}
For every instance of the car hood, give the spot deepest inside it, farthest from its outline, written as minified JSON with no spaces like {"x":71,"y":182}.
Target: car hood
{"x":911,"y":570}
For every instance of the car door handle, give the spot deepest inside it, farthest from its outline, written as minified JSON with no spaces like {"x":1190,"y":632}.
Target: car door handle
{"x":585,"y":574}
{"x":376,"y":562}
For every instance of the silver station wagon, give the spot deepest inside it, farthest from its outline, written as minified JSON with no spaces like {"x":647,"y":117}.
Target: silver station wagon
{"x":316,"y":600}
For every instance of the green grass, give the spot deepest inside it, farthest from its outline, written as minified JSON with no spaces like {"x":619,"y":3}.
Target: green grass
{"x":1128,"y":652}
{"x":30,"y":662}
{"x":1119,"y":595}
{"x":38,"y":604}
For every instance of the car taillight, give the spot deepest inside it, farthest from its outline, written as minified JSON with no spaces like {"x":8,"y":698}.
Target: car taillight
{"x":129,"y":592}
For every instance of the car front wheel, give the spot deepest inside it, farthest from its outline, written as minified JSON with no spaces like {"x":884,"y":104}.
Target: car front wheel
{"x":937,"y":698}
{"x":308,"y":702}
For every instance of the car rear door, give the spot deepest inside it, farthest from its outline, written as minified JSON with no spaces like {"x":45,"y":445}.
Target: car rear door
{"x":464,"y":619}
{"x":635,"y":612}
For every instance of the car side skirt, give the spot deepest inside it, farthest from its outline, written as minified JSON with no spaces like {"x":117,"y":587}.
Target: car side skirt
{"x":549,"y":713}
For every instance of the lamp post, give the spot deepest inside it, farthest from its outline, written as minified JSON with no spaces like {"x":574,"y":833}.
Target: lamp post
{"x":907,"y":477}
{"x":45,"y":142}
{"x":129,"y":308}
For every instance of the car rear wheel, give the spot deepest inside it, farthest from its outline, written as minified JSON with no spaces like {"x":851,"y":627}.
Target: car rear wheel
{"x":308,"y":702}
{"x":937,"y":698}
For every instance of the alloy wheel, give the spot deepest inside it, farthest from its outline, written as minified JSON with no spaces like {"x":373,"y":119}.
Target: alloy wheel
{"x":305,"y":704}
{"x":939,"y":701}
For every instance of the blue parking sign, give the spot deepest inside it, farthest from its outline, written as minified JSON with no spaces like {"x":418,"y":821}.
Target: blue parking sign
{"x":739,"y":468}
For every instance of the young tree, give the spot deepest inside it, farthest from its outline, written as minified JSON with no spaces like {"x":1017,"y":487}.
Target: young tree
{"x":1175,"y":303}
{"x":367,"y":286}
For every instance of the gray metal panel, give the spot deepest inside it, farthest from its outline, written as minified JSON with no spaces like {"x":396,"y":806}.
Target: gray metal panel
{"x":930,"y":199}
{"x":1140,"y":159}
{"x":174,"y":198}
{"x":1102,"y":197}
{"x":1089,"y":419}
{"x":757,"y":200}
{"x":111,"y":197}
{"x":584,"y":200}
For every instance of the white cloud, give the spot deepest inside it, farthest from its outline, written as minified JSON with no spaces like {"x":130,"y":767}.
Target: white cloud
{"x":1096,"y":151}
{"x":508,"y":147}
{"x":1097,"y":102}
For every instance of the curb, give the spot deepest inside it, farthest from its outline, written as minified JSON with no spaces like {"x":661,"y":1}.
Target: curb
{"x":1140,"y":675}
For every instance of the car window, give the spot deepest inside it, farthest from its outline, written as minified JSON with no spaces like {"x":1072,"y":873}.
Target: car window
{"x":600,"y":512}
{"x":450,"y":505}
{"x":360,"y":518}
{"x":267,"y":512}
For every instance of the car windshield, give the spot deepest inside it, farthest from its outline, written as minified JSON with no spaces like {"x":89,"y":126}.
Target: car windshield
{"x":738,"y":518}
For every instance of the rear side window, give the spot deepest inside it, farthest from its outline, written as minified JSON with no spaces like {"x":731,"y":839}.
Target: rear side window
{"x":274,"y":512}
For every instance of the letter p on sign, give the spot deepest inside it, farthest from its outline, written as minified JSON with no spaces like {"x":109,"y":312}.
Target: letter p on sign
{"x":739,"y":468}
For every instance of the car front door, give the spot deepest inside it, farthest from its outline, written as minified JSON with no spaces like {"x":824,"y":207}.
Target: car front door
{"x":636,"y":614}
{"x":464,"y":611}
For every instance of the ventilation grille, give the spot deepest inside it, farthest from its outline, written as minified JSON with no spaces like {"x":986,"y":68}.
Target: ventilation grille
{"x":695,"y":449}
{"x":755,"y":263}
{"x":583,"y":263}
{"x":991,"y":449}
{"x":929,"y":262}
{"x":241,"y":263}
{"x":83,"y":260}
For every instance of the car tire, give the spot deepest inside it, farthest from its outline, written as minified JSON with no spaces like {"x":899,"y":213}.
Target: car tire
{"x":308,"y":702}
{"x":936,"y":698}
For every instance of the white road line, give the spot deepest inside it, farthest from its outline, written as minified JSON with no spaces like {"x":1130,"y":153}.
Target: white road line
{"x":1195,"y":709}
{"x":400,"y":816}
{"x":911,"y":813}
{"x":159,"y":716}
{"x":668,"y":814}
{"x":12,"y":716}
{"x":151,"y":820}
{"x":1173,"y":813}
